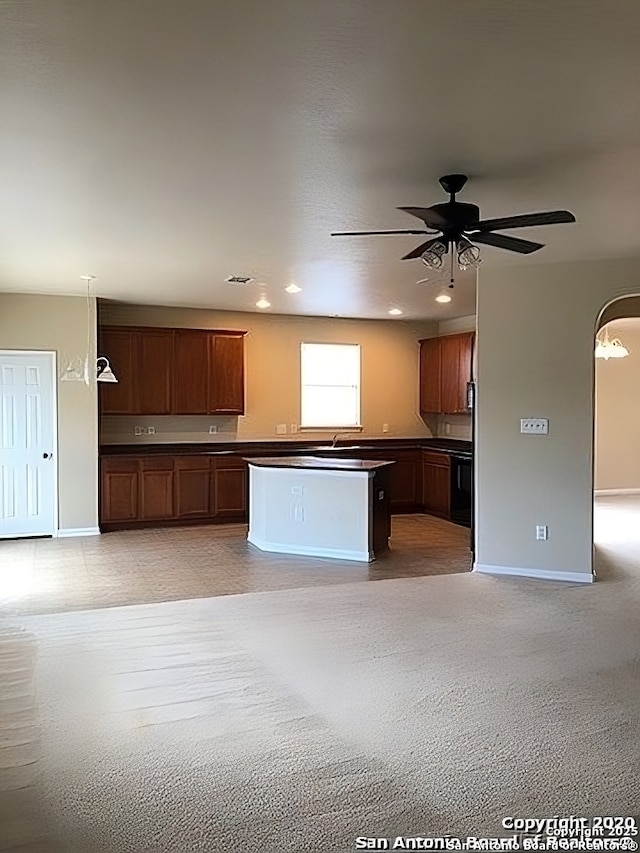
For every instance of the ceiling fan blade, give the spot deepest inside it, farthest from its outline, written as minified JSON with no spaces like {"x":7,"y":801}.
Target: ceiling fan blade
{"x":367,"y":233}
{"x":431,"y":218}
{"x":420,"y":249}
{"x":526,"y":220}
{"x":503,"y":241}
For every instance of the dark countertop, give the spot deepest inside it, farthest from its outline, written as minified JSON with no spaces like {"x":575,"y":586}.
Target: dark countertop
{"x":227,"y":448}
{"x":316,"y":463}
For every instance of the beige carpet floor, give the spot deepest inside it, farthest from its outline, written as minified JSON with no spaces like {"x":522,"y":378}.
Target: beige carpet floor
{"x":297,"y":720}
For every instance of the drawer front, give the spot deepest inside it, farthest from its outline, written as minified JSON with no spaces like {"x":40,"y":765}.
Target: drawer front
{"x":432,"y":457}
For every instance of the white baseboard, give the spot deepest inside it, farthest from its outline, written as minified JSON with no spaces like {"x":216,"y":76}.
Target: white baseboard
{"x":542,"y":574}
{"x":311,"y":551}
{"x":78,"y":531}
{"x":598,"y":492}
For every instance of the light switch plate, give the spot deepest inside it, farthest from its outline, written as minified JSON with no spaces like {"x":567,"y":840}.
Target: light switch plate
{"x":534,"y":426}
{"x":281,"y":429}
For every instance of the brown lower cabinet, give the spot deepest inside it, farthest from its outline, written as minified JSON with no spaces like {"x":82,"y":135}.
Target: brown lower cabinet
{"x":202,"y":488}
{"x":436,"y":483}
{"x":119,"y":489}
{"x":192,"y":486}
{"x":229,"y":487}
{"x":405,"y":476}
{"x":155,"y":488}
{"x":145,"y":491}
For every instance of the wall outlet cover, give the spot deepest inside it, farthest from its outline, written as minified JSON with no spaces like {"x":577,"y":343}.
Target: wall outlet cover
{"x":281,"y":429}
{"x":213,"y":429}
{"x":151,"y":430}
{"x":534,"y":426}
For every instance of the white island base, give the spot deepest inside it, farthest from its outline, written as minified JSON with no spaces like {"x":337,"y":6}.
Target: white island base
{"x":319,"y":507}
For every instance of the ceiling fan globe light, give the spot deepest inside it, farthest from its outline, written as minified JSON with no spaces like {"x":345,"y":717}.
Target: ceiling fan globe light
{"x":432,"y":258}
{"x":468,"y":254}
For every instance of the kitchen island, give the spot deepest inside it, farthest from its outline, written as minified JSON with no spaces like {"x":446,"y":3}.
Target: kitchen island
{"x":321,"y":507}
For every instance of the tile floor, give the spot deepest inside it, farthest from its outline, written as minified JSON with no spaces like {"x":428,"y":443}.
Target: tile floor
{"x":165,"y":564}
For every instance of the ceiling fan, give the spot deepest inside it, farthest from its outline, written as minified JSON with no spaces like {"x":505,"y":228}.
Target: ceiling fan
{"x":458,"y":225}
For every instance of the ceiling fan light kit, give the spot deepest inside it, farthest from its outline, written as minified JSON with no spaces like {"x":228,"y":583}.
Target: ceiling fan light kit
{"x":458,"y":225}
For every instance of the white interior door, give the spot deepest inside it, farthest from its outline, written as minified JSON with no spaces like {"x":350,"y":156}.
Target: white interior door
{"x":27,"y":444}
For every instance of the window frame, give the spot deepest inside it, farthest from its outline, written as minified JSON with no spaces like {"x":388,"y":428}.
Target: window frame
{"x":335,"y":425}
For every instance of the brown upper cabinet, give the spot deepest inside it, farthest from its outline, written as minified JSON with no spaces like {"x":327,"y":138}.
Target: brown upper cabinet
{"x":445,"y":368}
{"x":173,"y":371}
{"x":190,"y":372}
{"x":118,"y":345}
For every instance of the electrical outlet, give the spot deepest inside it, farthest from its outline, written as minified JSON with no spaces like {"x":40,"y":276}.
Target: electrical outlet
{"x":534,"y":426}
{"x":293,"y":428}
{"x":281,"y":429}
{"x":213,"y":429}
{"x":542,"y":532}
{"x":447,"y":428}
{"x":385,"y":427}
{"x":151,"y":430}
{"x":138,"y":430}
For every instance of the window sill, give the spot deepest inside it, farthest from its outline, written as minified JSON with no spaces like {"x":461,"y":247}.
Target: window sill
{"x":331,"y":429}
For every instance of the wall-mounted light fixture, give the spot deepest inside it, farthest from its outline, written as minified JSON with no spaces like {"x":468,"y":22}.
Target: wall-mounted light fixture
{"x":104,"y":371}
{"x":607,"y":347}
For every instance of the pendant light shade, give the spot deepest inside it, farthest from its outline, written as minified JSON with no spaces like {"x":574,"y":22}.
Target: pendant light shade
{"x":105,"y":373}
{"x":607,"y":347}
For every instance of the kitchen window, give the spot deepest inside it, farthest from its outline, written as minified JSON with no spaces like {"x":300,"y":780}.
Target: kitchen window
{"x":330,"y":385}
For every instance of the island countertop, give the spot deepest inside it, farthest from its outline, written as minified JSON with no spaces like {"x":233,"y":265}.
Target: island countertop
{"x":319,"y":463}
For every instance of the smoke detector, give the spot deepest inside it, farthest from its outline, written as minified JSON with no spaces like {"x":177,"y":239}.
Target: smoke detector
{"x":239,"y":279}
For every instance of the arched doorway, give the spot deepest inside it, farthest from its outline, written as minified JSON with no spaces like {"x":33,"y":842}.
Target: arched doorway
{"x":616,"y":457}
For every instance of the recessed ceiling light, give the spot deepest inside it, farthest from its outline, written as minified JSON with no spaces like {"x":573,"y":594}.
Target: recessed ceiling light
{"x":293,"y":288}
{"x":395,"y":311}
{"x":444,"y":297}
{"x":88,"y":278}
{"x":263,"y":303}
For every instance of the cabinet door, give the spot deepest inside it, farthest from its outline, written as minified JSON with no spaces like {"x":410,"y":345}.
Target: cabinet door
{"x":118,"y":345}
{"x":154,"y":365}
{"x":190,"y":372}
{"x":430,"y":378}
{"x":465,"y":367}
{"x":456,"y":355}
{"x":404,"y":477}
{"x":450,"y":355}
{"x":230,"y":487}
{"x":156,"y":487}
{"x":405,"y":482}
{"x":119,"y":489}
{"x":436,"y":483}
{"x":192,"y":486}
{"x":226,"y":388}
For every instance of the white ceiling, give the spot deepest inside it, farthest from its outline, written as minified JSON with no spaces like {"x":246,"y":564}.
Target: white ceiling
{"x":162,"y":145}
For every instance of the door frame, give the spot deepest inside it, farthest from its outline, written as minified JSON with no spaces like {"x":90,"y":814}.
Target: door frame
{"x":53,"y":368}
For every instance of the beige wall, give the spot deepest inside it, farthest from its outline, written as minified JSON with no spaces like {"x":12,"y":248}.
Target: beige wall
{"x":65,"y":324}
{"x":390,"y":362}
{"x":617,"y":419}
{"x":536,"y":329}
